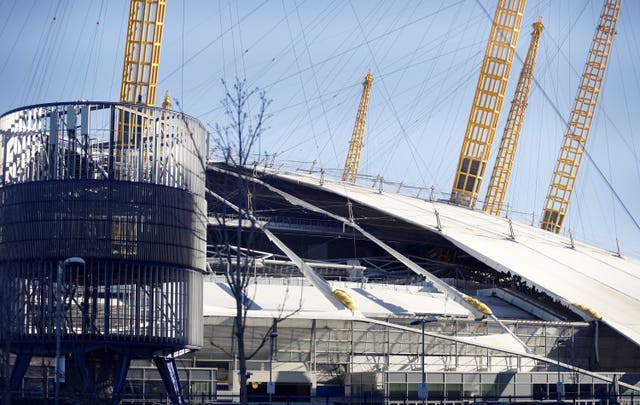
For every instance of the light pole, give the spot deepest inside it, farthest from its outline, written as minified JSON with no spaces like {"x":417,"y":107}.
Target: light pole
{"x":423,"y":389}
{"x":271,"y":388}
{"x":59,"y":364}
{"x":559,"y":389}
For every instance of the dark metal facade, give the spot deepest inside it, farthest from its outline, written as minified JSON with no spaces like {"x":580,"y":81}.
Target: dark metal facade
{"x":122,"y":187}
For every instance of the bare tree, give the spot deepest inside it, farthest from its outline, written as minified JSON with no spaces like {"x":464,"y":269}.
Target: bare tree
{"x":237,"y":139}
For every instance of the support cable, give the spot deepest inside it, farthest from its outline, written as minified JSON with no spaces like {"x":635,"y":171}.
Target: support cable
{"x":388,"y":99}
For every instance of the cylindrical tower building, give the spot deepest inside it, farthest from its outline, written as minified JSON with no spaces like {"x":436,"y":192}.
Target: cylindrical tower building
{"x":119,"y":188}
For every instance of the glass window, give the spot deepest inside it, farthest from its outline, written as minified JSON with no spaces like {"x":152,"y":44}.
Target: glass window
{"x":396,"y":377}
{"x":397,"y":389}
{"x":435,"y":378}
{"x":600,"y":390}
{"x":453,"y":378}
{"x":571,"y":391}
{"x":586,"y":390}
{"x":539,"y":391}
{"x":489,"y":390}
{"x":454,"y":391}
{"x":199,"y":388}
{"x":154,"y":389}
{"x":436,"y":391}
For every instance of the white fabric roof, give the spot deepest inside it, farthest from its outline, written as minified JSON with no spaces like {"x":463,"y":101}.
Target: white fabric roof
{"x":274,"y":298}
{"x":586,"y":275}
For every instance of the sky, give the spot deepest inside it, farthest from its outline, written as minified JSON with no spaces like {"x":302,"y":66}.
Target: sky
{"x":310,"y":57}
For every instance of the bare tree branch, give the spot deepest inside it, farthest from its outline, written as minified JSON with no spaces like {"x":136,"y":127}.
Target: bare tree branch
{"x":236,"y":138}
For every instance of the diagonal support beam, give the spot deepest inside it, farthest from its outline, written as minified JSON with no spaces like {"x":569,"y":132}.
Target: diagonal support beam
{"x":169,"y":374}
{"x":19,"y":369}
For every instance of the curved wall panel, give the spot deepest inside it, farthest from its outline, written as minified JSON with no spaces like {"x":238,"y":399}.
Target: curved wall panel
{"x":121,"y":187}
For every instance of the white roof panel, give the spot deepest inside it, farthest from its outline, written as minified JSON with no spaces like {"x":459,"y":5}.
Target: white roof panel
{"x":274,"y":297}
{"x":586,"y":275}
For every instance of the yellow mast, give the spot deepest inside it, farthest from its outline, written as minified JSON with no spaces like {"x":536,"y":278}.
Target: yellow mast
{"x":509,"y":143}
{"x":584,"y":107}
{"x":142,"y":52}
{"x":141,"y":63}
{"x":487,"y":102}
{"x":139,"y":81}
{"x":352,"y":163}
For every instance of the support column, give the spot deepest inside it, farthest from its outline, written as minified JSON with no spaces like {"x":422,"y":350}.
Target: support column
{"x":169,"y":373}
{"x":86,"y":371}
{"x":121,"y":375}
{"x":19,"y":369}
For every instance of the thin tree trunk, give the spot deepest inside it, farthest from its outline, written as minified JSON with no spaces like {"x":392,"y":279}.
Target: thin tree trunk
{"x":242,"y":359}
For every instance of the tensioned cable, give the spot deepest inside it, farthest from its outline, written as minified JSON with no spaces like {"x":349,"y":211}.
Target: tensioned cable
{"x":329,"y":13}
{"x":182,"y":55}
{"x":455,"y":113}
{"x":374,"y":126}
{"x":204,"y":87}
{"x":321,"y":62}
{"x":564,"y":121}
{"x":198,"y":53}
{"x":242,"y":50}
{"x":52,"y":47}
{"x":15,"y":43}
{"x":24,"y":93}
{"x":628,"y":111}
{"x":452,"y":92}
{"x":334,"y":93}
{"x":98,"y":53}
{"x":85,"y":20}
{"x":122,"y":32}
{"x":39,"y":56}
{"x":558,"y":48}
{"x":233,"y":39}
{"x":423,"y":87}
{"x":392,"y":107}
{"x":420,"y":156}
{"x":315,"y":79}
{"x":345,"y":113}
{"x":615,"y":222}
{"x":391,"y":142}
{"x":9,"y":17}
{"x":304,"y":91}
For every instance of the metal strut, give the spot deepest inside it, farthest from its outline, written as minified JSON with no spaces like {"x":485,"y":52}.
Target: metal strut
{"x":509,"y":143}
{"x":352,"y":164}
{"x":575,"y":139}
{"x":169,"y":374}
{"x":487,"y":102}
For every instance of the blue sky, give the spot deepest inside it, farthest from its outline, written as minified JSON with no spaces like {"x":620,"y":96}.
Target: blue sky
{"x":311,"y":57}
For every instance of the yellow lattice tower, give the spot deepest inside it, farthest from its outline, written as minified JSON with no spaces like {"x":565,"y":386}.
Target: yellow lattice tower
{"x":575,"y":140}
{"x":140,"y":68}
{"x":487,"y":102}
{"x":352,"y":163}
{"x":142,"y":52}
{"x":139,"y":81}
{"x":509,"y":143}
{"x":141,"y":63}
